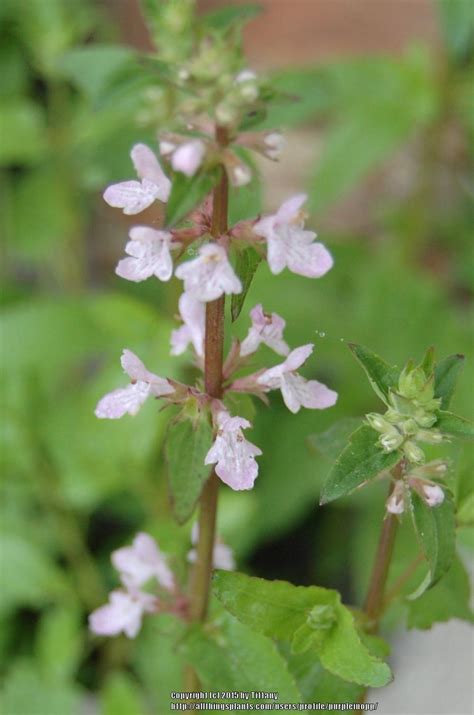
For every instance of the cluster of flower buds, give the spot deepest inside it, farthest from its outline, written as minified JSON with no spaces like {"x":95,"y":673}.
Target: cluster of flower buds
{"x":420,"y":480}
{"x":143,"y":566}
{"x":411,"y":415}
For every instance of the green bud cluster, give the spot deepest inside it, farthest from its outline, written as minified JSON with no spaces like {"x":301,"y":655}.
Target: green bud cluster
{"x":411,"y":414}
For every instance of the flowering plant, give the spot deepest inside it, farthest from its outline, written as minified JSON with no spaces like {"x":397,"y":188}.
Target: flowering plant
{"x":206,"y":154}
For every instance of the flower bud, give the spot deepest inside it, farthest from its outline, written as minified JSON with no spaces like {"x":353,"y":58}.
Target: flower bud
{"x":390,"y":441}
{"x":432,"y":436}
{"x":396,"y":502}
{"x":413,"y":453}
{"x":274,"y":143}
{"x":377,"y":422}
{"x":322,"y":617}
{"x":433,"y":494}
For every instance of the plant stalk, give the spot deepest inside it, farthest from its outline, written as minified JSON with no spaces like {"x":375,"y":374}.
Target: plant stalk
{"x":213,"y":361}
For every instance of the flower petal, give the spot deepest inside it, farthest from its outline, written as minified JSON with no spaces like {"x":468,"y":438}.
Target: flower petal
{"x":127,"y":400}
{"x":148,"y":167}
{"x":131,"y":196}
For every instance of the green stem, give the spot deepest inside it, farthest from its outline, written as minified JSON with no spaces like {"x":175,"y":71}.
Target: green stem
{"x":213,"y":361}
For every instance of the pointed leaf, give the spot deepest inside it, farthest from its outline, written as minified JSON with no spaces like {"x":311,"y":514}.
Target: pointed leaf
{"x":187,"y":444}
{"x":447,"y":372}
{"x":435,"y":527}
{"x":362,"y":460}
{"x":455,"y":425}
{"x":186,"y":194}
{"x":235,"y":658}
{"x":279,"y":609}
{"x":382,"y":376}
{"x":247,"y":264}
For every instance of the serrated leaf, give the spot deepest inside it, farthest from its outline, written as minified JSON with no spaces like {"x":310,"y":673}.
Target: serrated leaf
{"x":382,"y":376}
{"x":187,"y":444}
{"x":448,"y":423}
{"x":275,"y":608}
{"x":186,"y":194}
{"x":331,"y":442}
{"x":449,"y":598}
{"x":279,"y":609}
{"x":447,"y":372}
{"x":435,"y":527}
{"x":362,"y":460}
{"x":234,"y":657}
{"x":247,"y":263}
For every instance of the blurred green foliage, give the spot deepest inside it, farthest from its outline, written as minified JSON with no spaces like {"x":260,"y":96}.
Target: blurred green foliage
{"x":73,"y":487}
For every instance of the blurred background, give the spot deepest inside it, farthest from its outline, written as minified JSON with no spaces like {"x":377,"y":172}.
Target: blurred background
{"x":379,"y":134}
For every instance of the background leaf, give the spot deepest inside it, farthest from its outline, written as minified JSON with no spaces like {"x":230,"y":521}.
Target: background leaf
{"x":435,"y":529}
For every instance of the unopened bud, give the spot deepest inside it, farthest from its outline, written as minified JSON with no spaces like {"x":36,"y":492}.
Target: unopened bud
{"x":391,"y":440}
{"x":433,"y":494}
{"x":396,"y":502}
{"x":322,"y":617}
{"x":377,"y":422}
{"x":274,"y":144}
{"x":432,"y":436}
{"x":413,"y":453}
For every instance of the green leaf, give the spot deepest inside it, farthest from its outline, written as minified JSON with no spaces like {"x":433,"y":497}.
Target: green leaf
{"x":39,"y":581}
{"x":224,"y":17}
{"x":247,"y":264}
{"x":315,"y":683}
{"x":382,"y":376}
{"x":59,"y":642}
{"x":22,"y":128}
{"x":121,"y":696}
{"x":454,"y":425}
{"x":331,"y":442}
{"x":435,"y":527}
{"x":27,"y":692}
{"x":187,"y":444}
{"x":344,"y":654}
{"x":234,"y":657}
{"x":449,"y":598}
{"x":186,"y":194}
{"x":275,"y":608}
{"x":92,"y":68}
{"x":447,"y":372}
{"x":457,"y":21}
{"x":362,"y":460}
{"x":279,"y":609}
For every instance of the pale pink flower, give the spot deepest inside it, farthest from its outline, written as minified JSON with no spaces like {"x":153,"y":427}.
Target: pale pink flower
{"x":396,"y":502}
{"x":296,"y":390}
{"x":129,"y":399}
{"x":188,"y":156}
{"x":149,"y":252}
{"x":193,"y":314}
{"x":123,"y":612}
{"x":222,"y":555}
{"x":266,"y":329}
{"x":232,"y":454}
{"x":273,"y":145}
{"x":288,"y":244}
{"x":210,"y":275}
{"x":142,"y":561}
{"x":135,"y":196}
{"x":433,"y":494}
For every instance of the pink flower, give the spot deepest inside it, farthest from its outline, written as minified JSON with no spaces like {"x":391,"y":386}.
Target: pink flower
{"x":232,"y":454}
{"x":142,"y":561}
{"x":123,"y":612}
{"x":129,"y":399}
{"x":135,"y":196}
{"x":193,"y":314}
{"x":396,"y":502}
{"x":288,"y":244}
{"x":433,"y":494}
{"x":266,"y":329}
{"x":150,"y":255}
{"x":210,"y":275}
{"x":222,"y":555}
{"x":273,"y":145}
{"x":186,"y":156}
{"x":296,"y":390}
